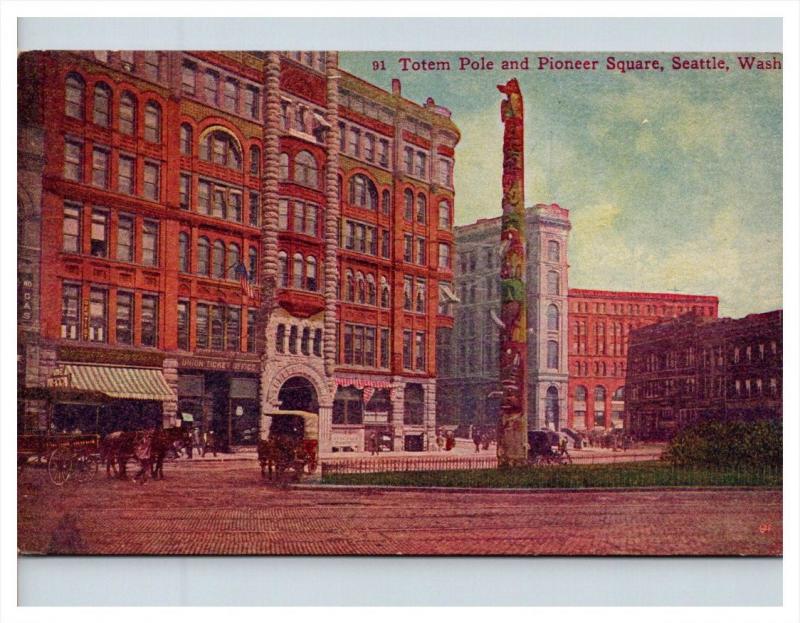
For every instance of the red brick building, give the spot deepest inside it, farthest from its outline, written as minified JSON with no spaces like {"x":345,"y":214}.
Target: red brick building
{"x":600,"y":323}
{"x":221,"y":234}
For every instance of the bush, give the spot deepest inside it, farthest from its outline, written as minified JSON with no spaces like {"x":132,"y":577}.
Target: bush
{"x":734,"y":443}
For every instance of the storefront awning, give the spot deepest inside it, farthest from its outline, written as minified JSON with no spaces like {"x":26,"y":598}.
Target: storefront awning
{"x":344,"y":381}
{"x":121,"y":382}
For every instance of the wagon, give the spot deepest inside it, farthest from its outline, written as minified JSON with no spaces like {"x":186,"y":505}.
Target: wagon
{"x":292,"y":444}
{"x":67,"y":455}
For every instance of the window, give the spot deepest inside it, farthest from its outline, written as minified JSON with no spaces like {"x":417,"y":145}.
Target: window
{"x":408,"y":160}
{"x":232,"y":261}
{"x":297,"y":271}
{"x":102,"y":103}
{"x":361,"y":290}
{"x":283,"y":167}
{"x":100,"y":167}
{"x":124,"y":321}
{"x":251,"y":102}
{"x":203,"y":256}
{"x":422,"y":251}
{"x":202,"y":332}
{"x":222,"y":149}
{"x":286,"y":117}
{"x":408,"y":248}
{"x":204,"y":197}
{"x":293,"y":340}
{"x":149,"y":320}
{"x":350,"y":290}
{"x":219,"y":207}
{"x":252,"y":261}
{"x":355,"y":142}
{"x":348,"y":406}
{"x":150,"y":243}
{"x":127,"y":114}
{"x":446,"y":172}
{"x":305,"y":169}
{"x":283,"y":214}
{"x":305,"y":341}
{"x":255,"y":208}
{"x":98,"y":319}
{"x":255,"y":160}
{"x":233,"y":335}
{"x":300,"y":119}
{"x":580,"y":393}
{"x":422,"y":165}
{"x":553,"y":251}
{"x":407,"y":336}
{"x":152,"y":65}
{"x":125,"y":238}
{"x":251,"y":331}
{"x":152,"y":180}
{"x":552,"y":318}
{"x":71,"y":229}
{"x":185,"y":191}
{"x":408,"y":199}
{"x":369,"y":147}
{"x":385,"y":348}
{"x":188,"y":78}
{"x":210,"y":85}
{"x":363,"y":193}
{"x":218,"y":260}
{"x":217,"y":327}
{"x":422,"y":209}
{"x":552,"y":354}
{"x":70,"y":311}
{"x":383,"y":152}
{"x":73,"y":160}
{"x":152,"y":123}
{"x":280,"y":338}
{"x":420,"y":296}
{"x":184,"y":263}
{"x":186,"y":139}
{"x":444,"y":215}
{"x":126,"y":175}
{"x":385,"y":243}
{"x":311,"y":273}
{"x":283,"y":269}
{"x":419,"y":351}
{"x":235,"y":212}
{"x":553,"y":283}
{"x":230,"y":99}
{"x":99,"y":233}
{"x":408,"y":286}
{"x":444,"y":255}
{"x":73,"y":96}
{"x":318,"y":342}
{"x":183,"y":325}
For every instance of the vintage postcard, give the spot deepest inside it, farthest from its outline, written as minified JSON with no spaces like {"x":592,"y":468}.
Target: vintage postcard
{"x":400,"y":303}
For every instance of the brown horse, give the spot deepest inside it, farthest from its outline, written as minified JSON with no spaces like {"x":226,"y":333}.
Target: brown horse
{"x":166,"y":440}
{"x":278,"y":452}
{"x":120,"y":447}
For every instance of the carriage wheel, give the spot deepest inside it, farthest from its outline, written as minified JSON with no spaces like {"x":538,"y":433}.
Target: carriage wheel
{"x":59,"y":466}
{"x":86,"y":468}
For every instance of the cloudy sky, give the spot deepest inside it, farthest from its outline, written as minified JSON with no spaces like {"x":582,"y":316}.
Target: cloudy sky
{"x":672,"y":179}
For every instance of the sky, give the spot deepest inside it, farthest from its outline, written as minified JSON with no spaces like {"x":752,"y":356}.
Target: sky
{"x":673,"y":179}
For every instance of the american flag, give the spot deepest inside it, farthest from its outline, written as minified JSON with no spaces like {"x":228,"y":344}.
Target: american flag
{"x":244,"y":280}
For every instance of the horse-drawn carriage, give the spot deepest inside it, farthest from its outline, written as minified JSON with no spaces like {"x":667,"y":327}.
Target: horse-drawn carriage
{"x":291,"y":446}
{"x":541,"y":444}
{"x":67,"y":455}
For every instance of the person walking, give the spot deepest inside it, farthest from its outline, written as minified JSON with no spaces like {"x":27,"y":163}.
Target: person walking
{"x":476,"y":438}
{"x":373,"y":443}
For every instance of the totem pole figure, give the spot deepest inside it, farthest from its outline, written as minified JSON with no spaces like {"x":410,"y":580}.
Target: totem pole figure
{"x":512,"y":428}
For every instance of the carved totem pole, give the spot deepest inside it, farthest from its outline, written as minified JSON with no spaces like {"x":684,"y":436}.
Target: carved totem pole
{"x":512,"y":429}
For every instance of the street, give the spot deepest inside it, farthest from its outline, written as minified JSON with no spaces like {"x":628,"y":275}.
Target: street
{"x":217,"y":507}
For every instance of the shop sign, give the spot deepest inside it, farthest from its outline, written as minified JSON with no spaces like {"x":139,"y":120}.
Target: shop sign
{"x":60,"y":378}
{"x":25,"y":298}
{"x":207,"y":363}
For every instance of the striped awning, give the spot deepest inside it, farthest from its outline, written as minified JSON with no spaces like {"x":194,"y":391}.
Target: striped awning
{"x":360,"y":383}
{"x":121,"y":382}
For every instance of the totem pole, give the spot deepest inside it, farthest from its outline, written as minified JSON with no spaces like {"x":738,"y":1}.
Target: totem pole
{"x":512,"y":429}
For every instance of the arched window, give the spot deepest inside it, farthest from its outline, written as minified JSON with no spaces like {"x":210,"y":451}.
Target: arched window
{"x":101,"y":111}
{"x":552,"y":283}
{"x":203,"y":252}
{"x":305,"y":341}
{"x":552,"y":354}
{"x":552,"y":318}
{"x":283,"y":269}
{"x":422,"y":209}
{"x":318,"y":342}
{"x":232,"y":261}
{"x":599,"y":394}
{"x":363,"y":193}
{"x":183,"y":252}
{"x":350,"y":286}
{"x":619,"y":393}
{"x":370,"y":290}
{"x":386,"y":202}
{"x":553,"y":251}
{"x":152,"y":123}
{"x":408,"y":205}
{"x":252,"y":260}
{"x":127,"y":114}
{"x":580,"y":393}
{"x":73,"y":96}
{"x":255,"y":160}
{"x":297,"y":271}
{"x":384,"y":292}
{"x":311,"y":273}
{"x":218,"y":260}
{"x":280,"y":338}
{"x":444,"y":215}
{"x":186,"y":139}
{"x":361,"y":289}
{"x":283,"y":167}
{"x":305,"y":169}
{"x":222,"y":149}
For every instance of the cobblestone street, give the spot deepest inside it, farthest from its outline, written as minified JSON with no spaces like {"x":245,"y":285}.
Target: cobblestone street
{"x":225,"y":508}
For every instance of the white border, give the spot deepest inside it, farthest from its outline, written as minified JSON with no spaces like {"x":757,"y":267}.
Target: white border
{"x":789,"y":11}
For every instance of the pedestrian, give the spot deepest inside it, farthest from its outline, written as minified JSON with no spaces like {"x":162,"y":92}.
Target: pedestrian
{"x":195,"y":441}
{"x":373,"y":444}
{"x":476,"y":438}
{"x":439,"y":441}
{"x":210,"y":442}
{"x":450,"y":441}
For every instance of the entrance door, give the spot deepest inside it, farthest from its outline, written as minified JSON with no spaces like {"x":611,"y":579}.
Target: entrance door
{"x":298,"y":394}
{"x":551,"y":408}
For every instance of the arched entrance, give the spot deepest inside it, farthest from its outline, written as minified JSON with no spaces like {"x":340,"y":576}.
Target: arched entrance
{"x":298,"y":394}
{"x":551,"y":408}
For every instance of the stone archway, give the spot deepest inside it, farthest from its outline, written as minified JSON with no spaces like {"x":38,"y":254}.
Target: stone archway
{"x":551,"y":411}
{"x":298,"y":394}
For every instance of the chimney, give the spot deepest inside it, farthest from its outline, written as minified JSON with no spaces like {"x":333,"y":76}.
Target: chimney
{"x":396,"y":87}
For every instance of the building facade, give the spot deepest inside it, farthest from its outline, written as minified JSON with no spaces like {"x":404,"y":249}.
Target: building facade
{"x":600,"y":324}
{"x":468,"y":381}
{"x":694,"y":367}
{"x":223,"y":234}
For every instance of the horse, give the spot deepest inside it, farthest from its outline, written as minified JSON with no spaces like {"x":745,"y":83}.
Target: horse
{"x":278,"y":452}
{"x":166,"y":440}
{"x":119,"y":447}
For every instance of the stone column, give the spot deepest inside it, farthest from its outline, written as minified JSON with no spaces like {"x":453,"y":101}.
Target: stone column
{"x":398,"y":409}
{"x":331,"y":211}
{"x":169,"y":408}
{"x":430,"y":413}
{"x":325,"y":430}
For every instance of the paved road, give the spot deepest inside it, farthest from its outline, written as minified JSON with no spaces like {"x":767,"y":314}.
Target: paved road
{"x":224,"y":508}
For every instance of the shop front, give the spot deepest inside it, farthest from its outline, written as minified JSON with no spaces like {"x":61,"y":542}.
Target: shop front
{"x":220,"y":395}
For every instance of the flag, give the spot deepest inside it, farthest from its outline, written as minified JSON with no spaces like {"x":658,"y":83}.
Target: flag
{"x":244,"y":279}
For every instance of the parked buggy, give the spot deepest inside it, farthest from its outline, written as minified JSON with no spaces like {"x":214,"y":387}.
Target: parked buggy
{"x":547,"y":448}
{"x":291,"y":447}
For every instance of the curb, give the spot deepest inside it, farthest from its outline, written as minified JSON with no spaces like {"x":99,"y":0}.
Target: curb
{"x":412,"y":489}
